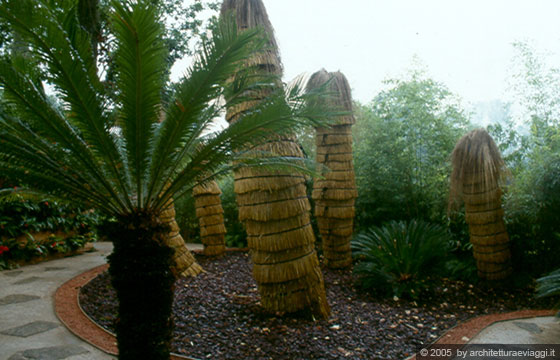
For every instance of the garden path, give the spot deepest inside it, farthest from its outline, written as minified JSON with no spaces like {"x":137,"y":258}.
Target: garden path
{"x":29,"y":328}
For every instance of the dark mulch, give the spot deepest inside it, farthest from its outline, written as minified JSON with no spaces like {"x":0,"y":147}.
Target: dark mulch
{"x":217,"y":315}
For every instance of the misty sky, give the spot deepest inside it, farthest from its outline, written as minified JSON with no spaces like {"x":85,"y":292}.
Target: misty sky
{"x":464,"y":44}
{"x":467,"y":45}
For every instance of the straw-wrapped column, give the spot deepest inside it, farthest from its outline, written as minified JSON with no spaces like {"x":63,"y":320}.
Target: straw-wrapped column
{"x":185,"y":263}
{"x":335,"y":194}
{"x":273,"y":205}
{"x":210,"y":214}
{"x":477,"y":168}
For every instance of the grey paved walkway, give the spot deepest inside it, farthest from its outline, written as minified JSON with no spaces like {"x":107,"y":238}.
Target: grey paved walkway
{"x":29,"y":328}
{"x":540,"y":330}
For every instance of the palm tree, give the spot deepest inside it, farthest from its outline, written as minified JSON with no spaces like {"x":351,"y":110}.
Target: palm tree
{"x":475,"y":180}
{"x":335,"y":194}
{"x":210,"y":214}
{"x":116,"y":156}
{"x":274,"y":206}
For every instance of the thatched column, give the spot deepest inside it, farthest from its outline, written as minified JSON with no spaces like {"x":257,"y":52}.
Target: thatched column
{"x":335,"y":195}
{"x":210,"y":214}
{"x":185,"y":263}
{"x":273,"y":205}
{"x":477,"y":168}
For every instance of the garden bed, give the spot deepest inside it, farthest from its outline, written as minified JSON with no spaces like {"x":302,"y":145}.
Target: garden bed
{"x":217,"y":315}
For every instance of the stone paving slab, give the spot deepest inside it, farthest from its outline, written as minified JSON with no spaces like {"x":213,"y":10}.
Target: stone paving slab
{"x":49,"y":353}
{"x":32,"y":328}
{"x":27,"y":280}
{"x":27,"y":310}
{"x":17,"y":298}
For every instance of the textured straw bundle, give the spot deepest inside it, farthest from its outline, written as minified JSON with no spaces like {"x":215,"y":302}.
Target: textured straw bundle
{"x":185,"y":263}
{"x":210,"y":215}
{"x":273,"y":204}
{"x":335,"y":194}
{"x":477,"y":170}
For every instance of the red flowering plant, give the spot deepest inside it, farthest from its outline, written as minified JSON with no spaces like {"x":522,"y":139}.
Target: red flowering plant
{"x":3,"y":263}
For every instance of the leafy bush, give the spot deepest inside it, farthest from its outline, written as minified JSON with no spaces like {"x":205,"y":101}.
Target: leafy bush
{"x":399,"y":255}
{"x":236,"y":235}
{"x":402,"y":142}
{"x":21,"y":220}
{"x":185,"y":216}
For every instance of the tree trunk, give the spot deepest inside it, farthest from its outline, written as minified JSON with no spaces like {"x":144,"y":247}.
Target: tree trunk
{"x":210,"y":216}
{"x":488,"y":235}
{"x":140,"y":269}
{"x":335,"y":195}
{"x":273,"y":205}
{"x":184,"y":263}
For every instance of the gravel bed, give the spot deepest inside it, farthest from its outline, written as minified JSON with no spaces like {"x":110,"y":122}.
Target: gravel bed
{"x":217,"y":315}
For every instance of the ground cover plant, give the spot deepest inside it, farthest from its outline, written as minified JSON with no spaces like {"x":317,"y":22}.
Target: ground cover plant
{"x":399,"y":257}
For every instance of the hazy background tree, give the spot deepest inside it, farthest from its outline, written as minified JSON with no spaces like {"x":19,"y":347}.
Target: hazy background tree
{"x":403,"y":139}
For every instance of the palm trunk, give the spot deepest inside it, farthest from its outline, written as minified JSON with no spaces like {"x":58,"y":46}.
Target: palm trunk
{"x":184,"y":263}
{"x":140,"y":268}
{"x":210,"y":215}
{"x":477,"y":169}
{"x":335,"y":195}
{"x":488,"y":235}
{"x":273,"y":206}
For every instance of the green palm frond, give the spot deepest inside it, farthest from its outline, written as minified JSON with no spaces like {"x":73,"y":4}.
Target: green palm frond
{"x":75,"y":150}
{"x":59,"y":44}
{"x":194,"y":109}
{"x":141,"y":70}
{"x":549,"y":285}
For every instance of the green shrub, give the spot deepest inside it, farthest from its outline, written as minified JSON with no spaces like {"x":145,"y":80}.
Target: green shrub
{"x":532,"y":207}
{"x":399,"y":256}
{"x":236,"y":235}
{"x":21,"y":219}
{"x":185,"y":216}
{"x":402,"y":142}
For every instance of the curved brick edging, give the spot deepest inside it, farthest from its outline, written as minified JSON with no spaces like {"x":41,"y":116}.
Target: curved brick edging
{"x":69,"y":312}
{"x":462,"y":333}
{"x":472,"y":327}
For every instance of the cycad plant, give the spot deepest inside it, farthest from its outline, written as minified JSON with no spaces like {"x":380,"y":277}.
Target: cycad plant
{"x":123,"y":157}
{"x":478,"y":168}
{"x":399,"y":255}
{"x":549,"y":285}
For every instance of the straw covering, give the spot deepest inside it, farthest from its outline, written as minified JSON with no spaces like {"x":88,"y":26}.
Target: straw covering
{"x":210,"y":215}
{"x":185,"y":263}
{"x":477,"y":170}
{"x":335,"y":195}
{"x":273,"y":205}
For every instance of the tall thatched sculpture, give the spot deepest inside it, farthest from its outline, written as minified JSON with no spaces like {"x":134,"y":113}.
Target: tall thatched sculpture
{"x":335,"y":194}
{"x":185,"y":263}
{"x":273,"y":205}
{"x":210,"y":214}
{"x":477,"y":169}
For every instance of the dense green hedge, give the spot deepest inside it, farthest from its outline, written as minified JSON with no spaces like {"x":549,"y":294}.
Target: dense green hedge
{"x":21,"y":220}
